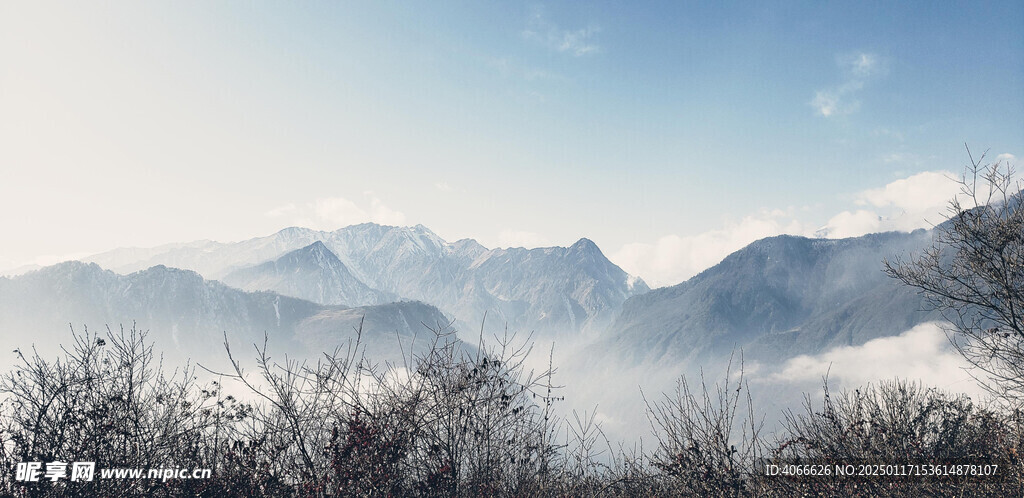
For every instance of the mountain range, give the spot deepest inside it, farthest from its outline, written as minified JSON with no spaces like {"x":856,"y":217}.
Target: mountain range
{"x":549,"y":290}
{"x":188,"y":316}
{"x":308,"y":290}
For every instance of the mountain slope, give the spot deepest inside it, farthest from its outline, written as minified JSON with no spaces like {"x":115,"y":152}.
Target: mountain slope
{"x":187,"y":315}
{"x":776,"y":298}
{"x":575,"y":286}
{"x":312,"y":273}
{"x":208,"y":258}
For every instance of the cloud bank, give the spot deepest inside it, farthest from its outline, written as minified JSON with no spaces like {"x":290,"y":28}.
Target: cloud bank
{"x":921,"y":353}
{"x":331,"y":213}
{"x":919,"y":201}
{"x":673,"y":258}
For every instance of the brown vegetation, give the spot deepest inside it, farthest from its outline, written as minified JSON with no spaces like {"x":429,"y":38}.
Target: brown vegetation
{"x":459,"y":422}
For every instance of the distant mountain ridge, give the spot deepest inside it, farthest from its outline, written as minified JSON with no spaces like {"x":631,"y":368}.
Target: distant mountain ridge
{"x":547,"y":289}
{"x":776,"y":298}
{"x":313,"y":273}
{"x":188,"y":315}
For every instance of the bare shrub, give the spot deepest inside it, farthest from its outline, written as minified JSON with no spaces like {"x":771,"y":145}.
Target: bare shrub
{"x":900,"y":423}
{"x":452,"y":421}
{"x":708,"y":440}
{"x":974,"y":274}
{"x":455,"y":420}
{"x":109,"y":401}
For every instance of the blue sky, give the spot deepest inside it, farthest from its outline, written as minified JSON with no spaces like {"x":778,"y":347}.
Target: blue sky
{"x":669,"y":133}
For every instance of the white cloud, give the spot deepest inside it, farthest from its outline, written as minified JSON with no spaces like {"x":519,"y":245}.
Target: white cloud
{"x":673,"y":258}
{"x":851,"y":224}
{"x":841,"y":99}
{"x":919,"y":201}
{"x":331,"y":213}
{"x":922,"y":352}
{"x":575,"y":42}
{"x":518,"y":238}
{"x":282,"y":210}
{"x":1007,"y":158}
{"x":860,"y":65}
{"x":443,"y":186}
{"x":921,"y":192}
{"x":826,"y":102}
{"x":579,"y":42}
{"x":379,"y":213}
{"x":338,"y":210}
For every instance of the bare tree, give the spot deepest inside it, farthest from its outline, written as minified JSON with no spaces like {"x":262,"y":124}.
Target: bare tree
{"x":708,"y":440}
{"x":974,"y":275}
